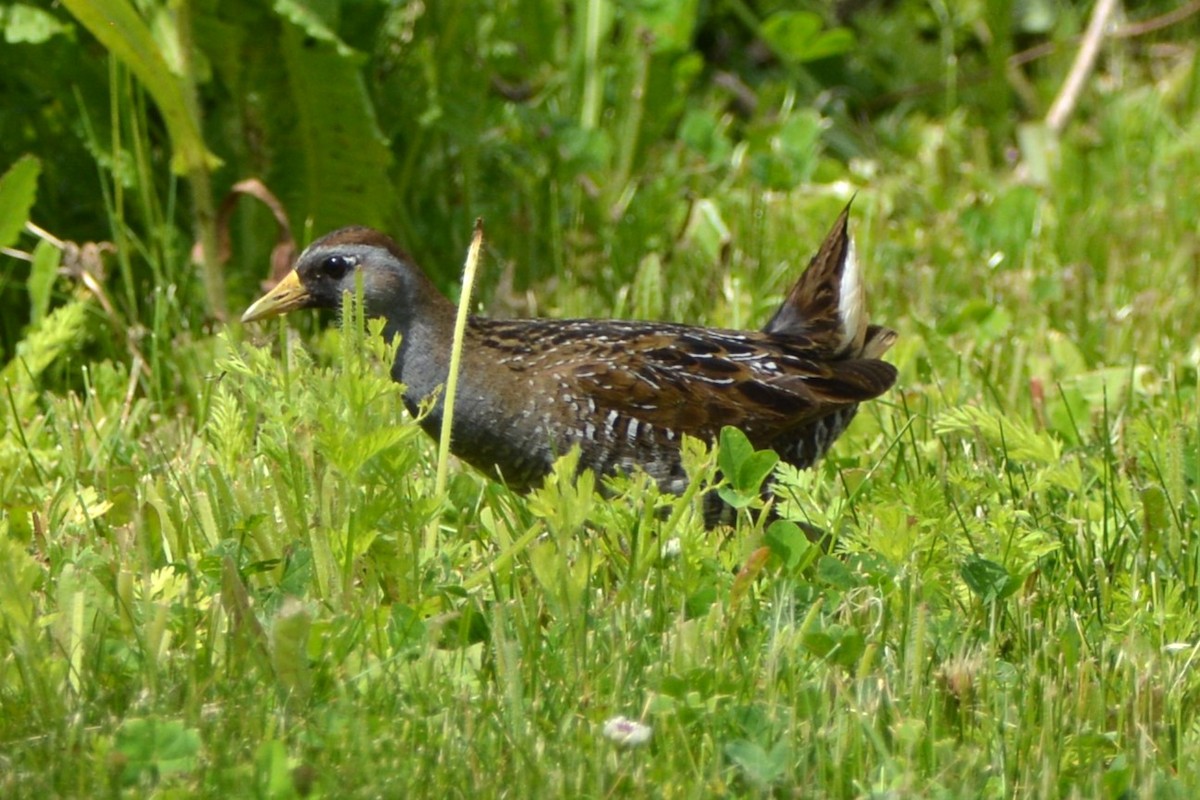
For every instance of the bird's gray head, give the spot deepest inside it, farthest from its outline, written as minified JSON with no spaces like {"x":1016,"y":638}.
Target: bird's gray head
{"x":332,"y":266}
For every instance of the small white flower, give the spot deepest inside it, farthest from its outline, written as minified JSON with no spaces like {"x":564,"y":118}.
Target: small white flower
{"x":672,"y":547}
{"x":626,"y":732}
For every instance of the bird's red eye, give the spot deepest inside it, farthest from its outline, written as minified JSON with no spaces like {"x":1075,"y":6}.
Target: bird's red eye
{"x":336,"y":267}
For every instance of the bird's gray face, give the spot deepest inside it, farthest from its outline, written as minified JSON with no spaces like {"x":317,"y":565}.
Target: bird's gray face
{"x":329,"y":274}
{"x":327,"y":270}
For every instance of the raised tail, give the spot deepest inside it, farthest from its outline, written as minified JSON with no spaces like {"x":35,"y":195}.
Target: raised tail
{"x":828,"y":304}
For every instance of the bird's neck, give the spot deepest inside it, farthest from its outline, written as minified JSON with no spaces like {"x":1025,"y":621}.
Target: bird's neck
{"x":426,"y":331}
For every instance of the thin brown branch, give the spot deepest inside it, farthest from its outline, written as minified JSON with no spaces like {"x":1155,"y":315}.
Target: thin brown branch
{"x":1085,"y":61}
{"x":1134,"y":29}
{"x":1043,"y":50}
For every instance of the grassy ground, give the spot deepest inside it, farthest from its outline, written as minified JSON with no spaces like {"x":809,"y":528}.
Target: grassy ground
{"x":217,"y":576}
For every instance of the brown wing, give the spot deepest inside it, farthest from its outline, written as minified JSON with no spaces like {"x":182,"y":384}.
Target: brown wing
{"x":695,"y":382}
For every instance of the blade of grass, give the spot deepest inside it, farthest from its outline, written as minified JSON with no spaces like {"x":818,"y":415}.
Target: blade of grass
{"x":460,"y":327}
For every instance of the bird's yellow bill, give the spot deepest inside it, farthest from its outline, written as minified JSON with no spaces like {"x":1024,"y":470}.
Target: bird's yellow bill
{"x":288,"y":295}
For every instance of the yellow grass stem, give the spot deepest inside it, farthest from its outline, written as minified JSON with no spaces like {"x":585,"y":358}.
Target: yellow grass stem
{"x":460,"y":327}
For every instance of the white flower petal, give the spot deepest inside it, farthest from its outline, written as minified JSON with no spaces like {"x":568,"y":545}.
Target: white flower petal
{"x":626,"y":732}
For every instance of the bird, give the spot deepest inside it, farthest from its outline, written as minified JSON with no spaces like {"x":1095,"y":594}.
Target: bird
{"x":624,"y":392}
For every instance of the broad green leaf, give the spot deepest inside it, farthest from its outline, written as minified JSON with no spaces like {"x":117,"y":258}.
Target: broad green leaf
{"x":307,"y":18}
{"x":700,"y":601}
{"x":735,"y":499}
{"x":671,"y":23}
{"x":988,"y":580}
{"x":744,"y":468}
{"x":735,"y":449}
{"x":18,"y":190}
{"x":406,"y":629}
{"x":127,"y":36}
{"x":797,"y":36}
{"x":705,"y":133}
{"x":835,"y":573}
{"x":46,"y":258}
{"x":343,"y":178}
{"x":787,"y":541}
{"x":160,"y":747}
{"x":798,"y":138}
{"x":760,"y":767}
{"x":838,"y":644}
{"x":24,"y":24}
{"x":755,"y":469}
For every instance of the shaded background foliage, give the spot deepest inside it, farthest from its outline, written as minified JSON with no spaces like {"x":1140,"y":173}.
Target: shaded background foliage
{"x":579,"y":131}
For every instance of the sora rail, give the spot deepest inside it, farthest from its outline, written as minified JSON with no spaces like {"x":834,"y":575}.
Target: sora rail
{"x":624,"y":392}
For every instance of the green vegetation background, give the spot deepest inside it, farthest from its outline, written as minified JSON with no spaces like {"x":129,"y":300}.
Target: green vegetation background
{"x":224,"y":572}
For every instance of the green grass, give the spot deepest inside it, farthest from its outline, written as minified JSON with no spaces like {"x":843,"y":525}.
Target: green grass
{"x":214,"y":573}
